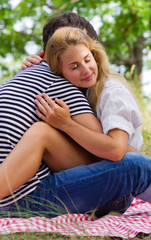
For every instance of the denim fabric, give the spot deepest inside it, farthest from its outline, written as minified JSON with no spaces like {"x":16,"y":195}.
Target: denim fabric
{"x":85,"y":188}
{"x":119,"y":206}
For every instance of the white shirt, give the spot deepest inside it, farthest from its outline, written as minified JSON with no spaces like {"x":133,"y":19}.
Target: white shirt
{"x":117,"y":108}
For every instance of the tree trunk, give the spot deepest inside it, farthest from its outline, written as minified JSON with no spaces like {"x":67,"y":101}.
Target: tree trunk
{"x":138,"y":55}
{"x":135,"y":56}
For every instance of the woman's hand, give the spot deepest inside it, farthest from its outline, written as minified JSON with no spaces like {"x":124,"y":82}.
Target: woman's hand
{"x":55,"y":114}
{"x":33,"y":59}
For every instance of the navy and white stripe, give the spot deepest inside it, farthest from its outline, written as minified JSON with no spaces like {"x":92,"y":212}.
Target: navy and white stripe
{"x":17,"y":112}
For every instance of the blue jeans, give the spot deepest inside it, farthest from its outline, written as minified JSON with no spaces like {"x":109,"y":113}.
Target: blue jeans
{"x":105,"y":186}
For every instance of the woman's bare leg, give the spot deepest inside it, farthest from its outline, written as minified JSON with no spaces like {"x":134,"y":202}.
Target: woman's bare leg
{"x":40,"y":142}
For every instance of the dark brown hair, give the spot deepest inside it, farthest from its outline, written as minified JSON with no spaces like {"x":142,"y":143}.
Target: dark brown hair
{"x":64,"y":20}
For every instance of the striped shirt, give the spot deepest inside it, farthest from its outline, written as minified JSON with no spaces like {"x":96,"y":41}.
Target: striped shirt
{"x":17,"y":113}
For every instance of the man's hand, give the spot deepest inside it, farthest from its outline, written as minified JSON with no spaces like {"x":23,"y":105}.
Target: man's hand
{"x":33,"y":59}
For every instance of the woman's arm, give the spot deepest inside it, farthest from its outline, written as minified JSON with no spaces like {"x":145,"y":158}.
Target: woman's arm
{"x":112,"y":146}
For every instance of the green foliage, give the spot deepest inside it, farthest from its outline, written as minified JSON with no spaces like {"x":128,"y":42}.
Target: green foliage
{"x":125,"y":31}
{"x":149,"y":64}
{"x":124,"y":25}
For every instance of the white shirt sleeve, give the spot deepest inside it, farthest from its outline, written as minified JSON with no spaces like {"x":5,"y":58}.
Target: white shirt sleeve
{"x":117,"y":108}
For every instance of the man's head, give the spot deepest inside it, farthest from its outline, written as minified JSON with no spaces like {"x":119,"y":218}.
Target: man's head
{"x":67,"y":19}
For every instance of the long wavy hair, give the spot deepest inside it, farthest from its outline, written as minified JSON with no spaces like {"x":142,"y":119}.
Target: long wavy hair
{"x":65,"y":37}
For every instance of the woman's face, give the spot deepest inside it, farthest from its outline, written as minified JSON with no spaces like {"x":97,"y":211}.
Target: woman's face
{"x":79,"y":66}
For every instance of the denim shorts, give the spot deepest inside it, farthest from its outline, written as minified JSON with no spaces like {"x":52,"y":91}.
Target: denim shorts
{"x":103,"y":186}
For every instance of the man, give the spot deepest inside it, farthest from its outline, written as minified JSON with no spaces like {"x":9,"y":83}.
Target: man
{"x":83,"y":188}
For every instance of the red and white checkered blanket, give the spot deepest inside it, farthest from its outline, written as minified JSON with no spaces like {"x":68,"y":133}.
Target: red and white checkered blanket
{"x":135,"y":220}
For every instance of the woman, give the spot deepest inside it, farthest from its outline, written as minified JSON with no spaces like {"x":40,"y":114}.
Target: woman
{"x":83,"y":62}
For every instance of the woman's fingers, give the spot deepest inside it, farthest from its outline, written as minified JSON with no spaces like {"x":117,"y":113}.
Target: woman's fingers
{"x":42,"y":104}
{"x":61,"y":103}
{"x":48,"y":99}
{"x":40,"y":107}
{"x":56,"y":114}
{"x":40,"y":115}
{"x":46,"y":104}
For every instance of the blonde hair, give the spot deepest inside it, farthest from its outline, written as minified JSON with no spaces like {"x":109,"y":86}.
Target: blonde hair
{"x":65,"y":37}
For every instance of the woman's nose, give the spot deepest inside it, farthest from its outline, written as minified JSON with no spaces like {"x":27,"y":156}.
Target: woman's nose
{"x":84,"y":69}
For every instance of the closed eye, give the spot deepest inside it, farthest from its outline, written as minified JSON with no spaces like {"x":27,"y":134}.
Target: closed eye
{"x":74,"y":67}
{"x":87,"y":60}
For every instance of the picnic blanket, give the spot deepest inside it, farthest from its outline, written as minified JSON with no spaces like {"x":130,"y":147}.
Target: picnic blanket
{"x":135,"y":220}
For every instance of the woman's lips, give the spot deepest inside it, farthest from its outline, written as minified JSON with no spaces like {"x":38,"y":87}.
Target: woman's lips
{"x":88,"y":78}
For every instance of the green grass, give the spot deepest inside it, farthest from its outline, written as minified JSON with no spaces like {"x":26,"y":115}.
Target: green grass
{"x":53,"y":236}
{"x":146,"y":131}
{"x":48,"y":236}
{"x":143,"y":103}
